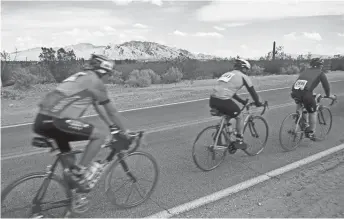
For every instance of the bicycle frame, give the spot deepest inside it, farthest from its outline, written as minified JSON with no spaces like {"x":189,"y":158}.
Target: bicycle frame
{"x":303,"y":112}
{"x":225,"y":118}
{"x":60,"y":156}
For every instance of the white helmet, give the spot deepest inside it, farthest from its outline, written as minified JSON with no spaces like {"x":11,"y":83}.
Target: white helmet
{"x":241,"y":63}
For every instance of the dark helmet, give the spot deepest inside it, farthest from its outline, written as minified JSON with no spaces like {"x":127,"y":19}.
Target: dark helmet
{"x":101,"y":64}
{"x":241,"y":64}
{"x":316,"y":62}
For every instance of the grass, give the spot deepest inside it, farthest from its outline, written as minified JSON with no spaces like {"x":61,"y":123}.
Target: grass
{"x":23,"y":107}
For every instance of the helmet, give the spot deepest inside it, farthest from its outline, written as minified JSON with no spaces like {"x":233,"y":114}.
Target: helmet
{"x":316,"y":62}
{"x":241,"y":63}
{"x":101,"y":64}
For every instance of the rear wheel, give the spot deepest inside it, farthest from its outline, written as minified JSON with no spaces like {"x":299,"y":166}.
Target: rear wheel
{"x":205,"y":146}
{"x":52,"y":189}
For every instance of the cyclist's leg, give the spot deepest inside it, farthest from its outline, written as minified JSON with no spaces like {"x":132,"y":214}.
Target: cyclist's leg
{"x":79,"y":130}
{"x":44,"y":126}
{"x":310,"y":105}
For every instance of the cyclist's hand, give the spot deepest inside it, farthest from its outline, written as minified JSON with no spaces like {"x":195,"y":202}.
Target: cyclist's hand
{"x":259,"y":104}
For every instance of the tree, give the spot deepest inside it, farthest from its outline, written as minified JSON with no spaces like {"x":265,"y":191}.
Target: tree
{"x":47,"y":55}
{"x":63,"y":55}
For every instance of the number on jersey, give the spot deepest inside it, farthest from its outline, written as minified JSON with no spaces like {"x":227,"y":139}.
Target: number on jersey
{"x":226,"y":77}
{"x":300,"y":84}
{"x":75,"y":76}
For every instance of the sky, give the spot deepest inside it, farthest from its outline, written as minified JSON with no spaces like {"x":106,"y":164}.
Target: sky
{"x":223,"y":28}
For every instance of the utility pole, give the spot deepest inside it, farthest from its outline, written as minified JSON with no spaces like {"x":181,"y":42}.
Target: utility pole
{"x":273,"y":51}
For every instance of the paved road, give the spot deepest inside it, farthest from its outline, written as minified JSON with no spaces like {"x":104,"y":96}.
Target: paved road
{"x":180,"y":181}
{"x":313,"y":191}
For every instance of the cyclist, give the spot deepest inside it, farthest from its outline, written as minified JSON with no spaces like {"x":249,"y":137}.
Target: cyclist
{"x":61,"y":109}
{"x":226,"y":90}
{"x":302,"y":92}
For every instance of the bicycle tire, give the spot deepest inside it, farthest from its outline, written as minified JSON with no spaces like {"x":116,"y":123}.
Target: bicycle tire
{"x":194,"y":146}
{"x":320,"y":116}
{"x":284,"y":146}
{"x":108,"y":175}
{"x":30,"y":176}
{"x":250,"y":122}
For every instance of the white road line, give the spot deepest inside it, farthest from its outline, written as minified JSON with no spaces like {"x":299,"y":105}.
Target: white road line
{"x":156,"y":106}
{"x":149,"y":131}
{"x":242,"y":186}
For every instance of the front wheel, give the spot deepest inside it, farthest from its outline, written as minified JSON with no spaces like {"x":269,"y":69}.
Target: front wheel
{"x":290,"y":133}
{"x":31,"y":186}
{"x":205,"y":145}
{"x":324,"y":123}
{"x":131,"y":172}
{"x":257,"y":130}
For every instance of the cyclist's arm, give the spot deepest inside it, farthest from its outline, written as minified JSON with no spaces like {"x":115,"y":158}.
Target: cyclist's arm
{"x":102,"y":114}
{"x":110,"y":112}
{"x":237,"y":98}
{"x":325,"y":84}
{"x":249,"y":86}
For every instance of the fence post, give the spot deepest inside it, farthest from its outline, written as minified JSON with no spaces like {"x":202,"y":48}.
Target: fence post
{"x":273,"y":50}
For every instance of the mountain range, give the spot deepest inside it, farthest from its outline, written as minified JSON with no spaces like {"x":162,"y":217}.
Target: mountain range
{"x":134,"y":50}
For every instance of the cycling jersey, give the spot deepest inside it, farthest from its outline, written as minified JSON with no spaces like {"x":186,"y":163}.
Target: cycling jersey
{"x":230,"y":83}
{"x":74,"y":95}
{"x":309,"y":80}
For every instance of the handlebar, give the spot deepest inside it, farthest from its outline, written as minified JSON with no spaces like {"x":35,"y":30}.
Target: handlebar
{"x":334,"y":100}
{"x":248,"y":105}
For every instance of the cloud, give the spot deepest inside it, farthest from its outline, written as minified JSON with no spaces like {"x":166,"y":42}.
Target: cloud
{"x":208,"y":34}
{"x":235,"y":24}
{"x":219,"y":28}
{"x":98,"y":33}
{"x":340,"y":34}
{"x":179,"y":33}
{"x":244,"y":46}
{"x":138,"y":25}
{"x":126,"y":2}
{"x":109,"y":29}
{"x":290,"y":36}
{"x":220,"y":10}
{"x":312,"y":36}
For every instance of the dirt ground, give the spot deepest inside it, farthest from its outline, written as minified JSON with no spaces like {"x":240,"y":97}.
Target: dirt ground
{"x":313,"y":191}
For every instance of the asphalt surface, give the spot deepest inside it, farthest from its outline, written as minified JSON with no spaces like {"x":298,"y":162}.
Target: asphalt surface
{"x":180,"y":180}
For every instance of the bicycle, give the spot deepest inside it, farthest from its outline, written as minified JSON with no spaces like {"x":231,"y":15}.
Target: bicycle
{"x":68,"y":188}
{"x":298,"y":127}
{"x":225,"y":129}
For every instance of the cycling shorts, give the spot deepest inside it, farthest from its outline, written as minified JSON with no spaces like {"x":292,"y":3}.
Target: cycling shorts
{"x":63,"y":130}
{"x":306,"y":98}
{"x":227,"y":106}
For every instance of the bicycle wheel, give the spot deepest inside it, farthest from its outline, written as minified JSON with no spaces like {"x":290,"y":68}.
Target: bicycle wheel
{"x":324,"y":121}
{"x":124,"y":169}
{"x":211,"y":151}
{"x":258,"y":129}
{"x":291,"y":132}
{"x":42,"y":207}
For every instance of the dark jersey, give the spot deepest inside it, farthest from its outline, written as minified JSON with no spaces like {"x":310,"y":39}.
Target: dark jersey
{"x":310,"y":79}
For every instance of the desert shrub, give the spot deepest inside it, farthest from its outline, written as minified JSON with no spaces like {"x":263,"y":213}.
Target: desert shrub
{"x":173,"y":75}
{"x":139,"y":79}
{"x":272,"y":67}
{"x":23,"y":79}
{"x":256,"y":70}
{"x":156,"y":79}
{"x":303,"y":66}
{"x":290,"y":70}
{"x":116,"y":78}
{"x":337,"y":64}
{"x":10,"y":95}
{"x":43,"y":74}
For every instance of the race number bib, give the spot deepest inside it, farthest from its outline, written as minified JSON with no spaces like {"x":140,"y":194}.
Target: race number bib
{"x":300,"y":84}
{"x":226,"y":77}
{"x":75,"y":76}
